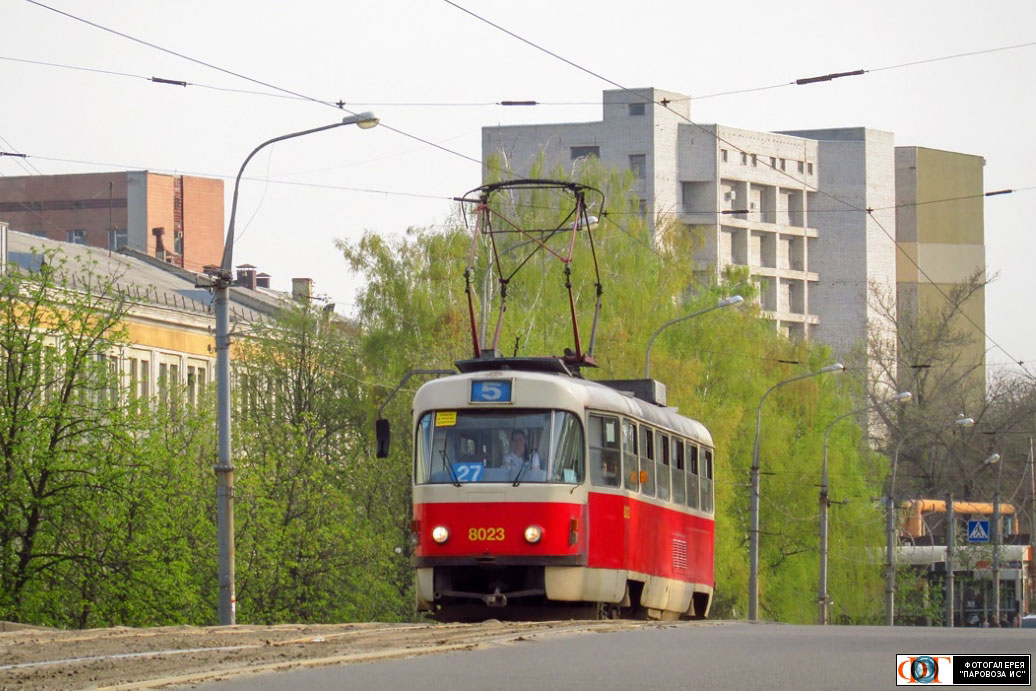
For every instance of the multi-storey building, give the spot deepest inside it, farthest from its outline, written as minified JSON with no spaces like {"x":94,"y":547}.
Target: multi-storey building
{"x":176,"y":218}
{"x":941,"y":233}
{"x":810,"y":213}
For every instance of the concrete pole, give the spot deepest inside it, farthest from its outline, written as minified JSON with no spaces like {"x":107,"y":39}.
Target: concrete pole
{"x":951,"y":537}
{"x":224,"y":470}
{"x":890,"y":562}
{"x":997,"y":541}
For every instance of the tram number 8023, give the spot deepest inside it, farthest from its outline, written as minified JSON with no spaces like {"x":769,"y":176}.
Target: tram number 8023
{"x":486,"y":534}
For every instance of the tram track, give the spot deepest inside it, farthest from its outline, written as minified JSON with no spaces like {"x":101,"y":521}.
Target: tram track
{"x":177,"y":656}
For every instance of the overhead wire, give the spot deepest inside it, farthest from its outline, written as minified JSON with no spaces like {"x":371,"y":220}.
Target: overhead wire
{"x":340,"y":105}
{"x":664,"y":103}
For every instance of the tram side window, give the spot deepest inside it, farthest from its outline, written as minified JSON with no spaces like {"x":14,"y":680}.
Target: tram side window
{"x":604,"y":451}
{"x":677,"y":460}
{"x":647,"y":461}
{"x":706,"y":481}
{"x":662,"y":465}
{"x":631,"y":471}
{"x":568,"y":449}
{"x":692,"y":475}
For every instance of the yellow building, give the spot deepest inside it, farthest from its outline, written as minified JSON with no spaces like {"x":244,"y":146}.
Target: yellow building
{"x":939,"y":228}
{"x":170,"y":324}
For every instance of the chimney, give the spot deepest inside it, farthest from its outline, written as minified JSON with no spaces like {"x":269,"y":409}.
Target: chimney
{"x":159,"y":245}
{"x":246,"y":276}
{"x":302,"y":289}
{"x":262,"y":280}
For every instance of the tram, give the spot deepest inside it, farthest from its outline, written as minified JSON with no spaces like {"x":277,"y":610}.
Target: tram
{"x":537,"y":489}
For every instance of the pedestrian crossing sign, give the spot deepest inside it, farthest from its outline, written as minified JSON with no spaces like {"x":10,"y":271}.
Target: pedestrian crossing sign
{"x":978,"y":531}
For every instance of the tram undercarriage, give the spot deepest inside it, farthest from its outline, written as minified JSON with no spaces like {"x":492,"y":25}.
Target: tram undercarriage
{"x":465,"y":593}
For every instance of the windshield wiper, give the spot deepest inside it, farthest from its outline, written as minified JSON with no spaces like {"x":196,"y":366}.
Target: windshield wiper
{"x":449,"y":467}
{"x":521,"y":471}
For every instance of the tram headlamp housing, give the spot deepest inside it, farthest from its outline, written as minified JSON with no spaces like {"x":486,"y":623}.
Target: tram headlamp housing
{"x":533,"y":534}
{"x":440,"y":534}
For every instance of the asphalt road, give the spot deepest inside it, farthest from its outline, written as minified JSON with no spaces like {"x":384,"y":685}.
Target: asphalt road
{"x":714,"y":655}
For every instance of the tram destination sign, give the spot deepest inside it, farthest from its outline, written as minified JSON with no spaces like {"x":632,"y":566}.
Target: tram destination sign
{"x":491,"y":390}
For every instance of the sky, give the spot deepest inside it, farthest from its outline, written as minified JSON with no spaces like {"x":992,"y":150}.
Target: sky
{"x":433,"y":74}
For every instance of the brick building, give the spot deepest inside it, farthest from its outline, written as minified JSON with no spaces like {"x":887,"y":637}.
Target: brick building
{"x":176,"y":218}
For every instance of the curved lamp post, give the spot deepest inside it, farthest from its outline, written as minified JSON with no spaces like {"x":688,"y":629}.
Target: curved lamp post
{"x":725,"y":302}
{"x":890,"y":525}
{"x":823,"y":603}
{"x":220,"y":284}
{"x":753,"y":536}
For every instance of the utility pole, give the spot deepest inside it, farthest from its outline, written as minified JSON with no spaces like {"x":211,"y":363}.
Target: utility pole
{"x":951,"y":538}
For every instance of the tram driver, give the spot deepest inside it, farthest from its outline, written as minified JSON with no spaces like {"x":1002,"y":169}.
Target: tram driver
{"x":517,"y":456}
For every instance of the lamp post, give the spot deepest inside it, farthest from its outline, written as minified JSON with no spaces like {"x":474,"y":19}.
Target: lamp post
{"x":220,"y":284}
{"x":890,"y":526}
{"x":997,"y":535}
{"x":753,"y":536}
{"x":725,"y":302}
{"x":823,"y":608}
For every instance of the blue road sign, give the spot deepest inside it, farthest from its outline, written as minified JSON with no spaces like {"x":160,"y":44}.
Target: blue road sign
{"x":978,"y":531}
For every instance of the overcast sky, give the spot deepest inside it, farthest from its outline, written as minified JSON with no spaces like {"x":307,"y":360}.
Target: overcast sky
{"x":384,"y":56}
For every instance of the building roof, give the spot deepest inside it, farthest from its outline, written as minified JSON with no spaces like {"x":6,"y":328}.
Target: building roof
{"x":144,"y":278}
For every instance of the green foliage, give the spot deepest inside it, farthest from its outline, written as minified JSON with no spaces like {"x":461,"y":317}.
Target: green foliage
{"x":90,"y":530}
{"x":317,"y":522}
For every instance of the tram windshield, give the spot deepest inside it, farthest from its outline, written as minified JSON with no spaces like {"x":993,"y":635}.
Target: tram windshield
{"x":480,"y":446}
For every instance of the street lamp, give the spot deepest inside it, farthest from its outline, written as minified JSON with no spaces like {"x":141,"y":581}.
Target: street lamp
{"x":753,"y":536}
{"x":823,"y":612}
{"x":725,"y":302}
{"x":220,"y":283}
{"x":890,"y":525}
{"x":998,"y":536}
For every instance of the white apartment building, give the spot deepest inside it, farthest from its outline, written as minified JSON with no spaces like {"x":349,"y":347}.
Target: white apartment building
{"x":791,"y":206}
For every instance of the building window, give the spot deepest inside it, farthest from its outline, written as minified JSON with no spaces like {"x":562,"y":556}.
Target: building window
{"x":117,"y":238}
{"x":77,"y":236}
{"x":638,"y":164}
{"x":773,"y":162}
{"x":723,"y":155}
{"x":755,"y":160}
{"x":637,"y":109}
{"x":784,"y":164}
{"x":585,"y":152}
{"x":809,"y":168}
{"x":744,"y":158}
{"x":178,"y":242}
{"x":801,"y":166}
{"x":642,"y":206}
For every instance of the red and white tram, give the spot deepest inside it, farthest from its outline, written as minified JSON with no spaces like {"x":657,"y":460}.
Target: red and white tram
{"x":537,"y":489}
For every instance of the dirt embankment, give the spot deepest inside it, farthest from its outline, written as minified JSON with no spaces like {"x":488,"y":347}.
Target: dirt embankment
{"x":33,"y":658}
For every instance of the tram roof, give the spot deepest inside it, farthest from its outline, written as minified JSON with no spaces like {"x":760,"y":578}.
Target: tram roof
{"x":585,"y":392}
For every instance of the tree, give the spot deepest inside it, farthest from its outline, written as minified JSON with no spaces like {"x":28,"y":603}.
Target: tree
{"x":59,"y":422}
{"x":317,"y":521}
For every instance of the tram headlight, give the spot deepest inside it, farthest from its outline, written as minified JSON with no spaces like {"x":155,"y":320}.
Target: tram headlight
{"x":440,"y":534}
{"x":533,"y":534}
